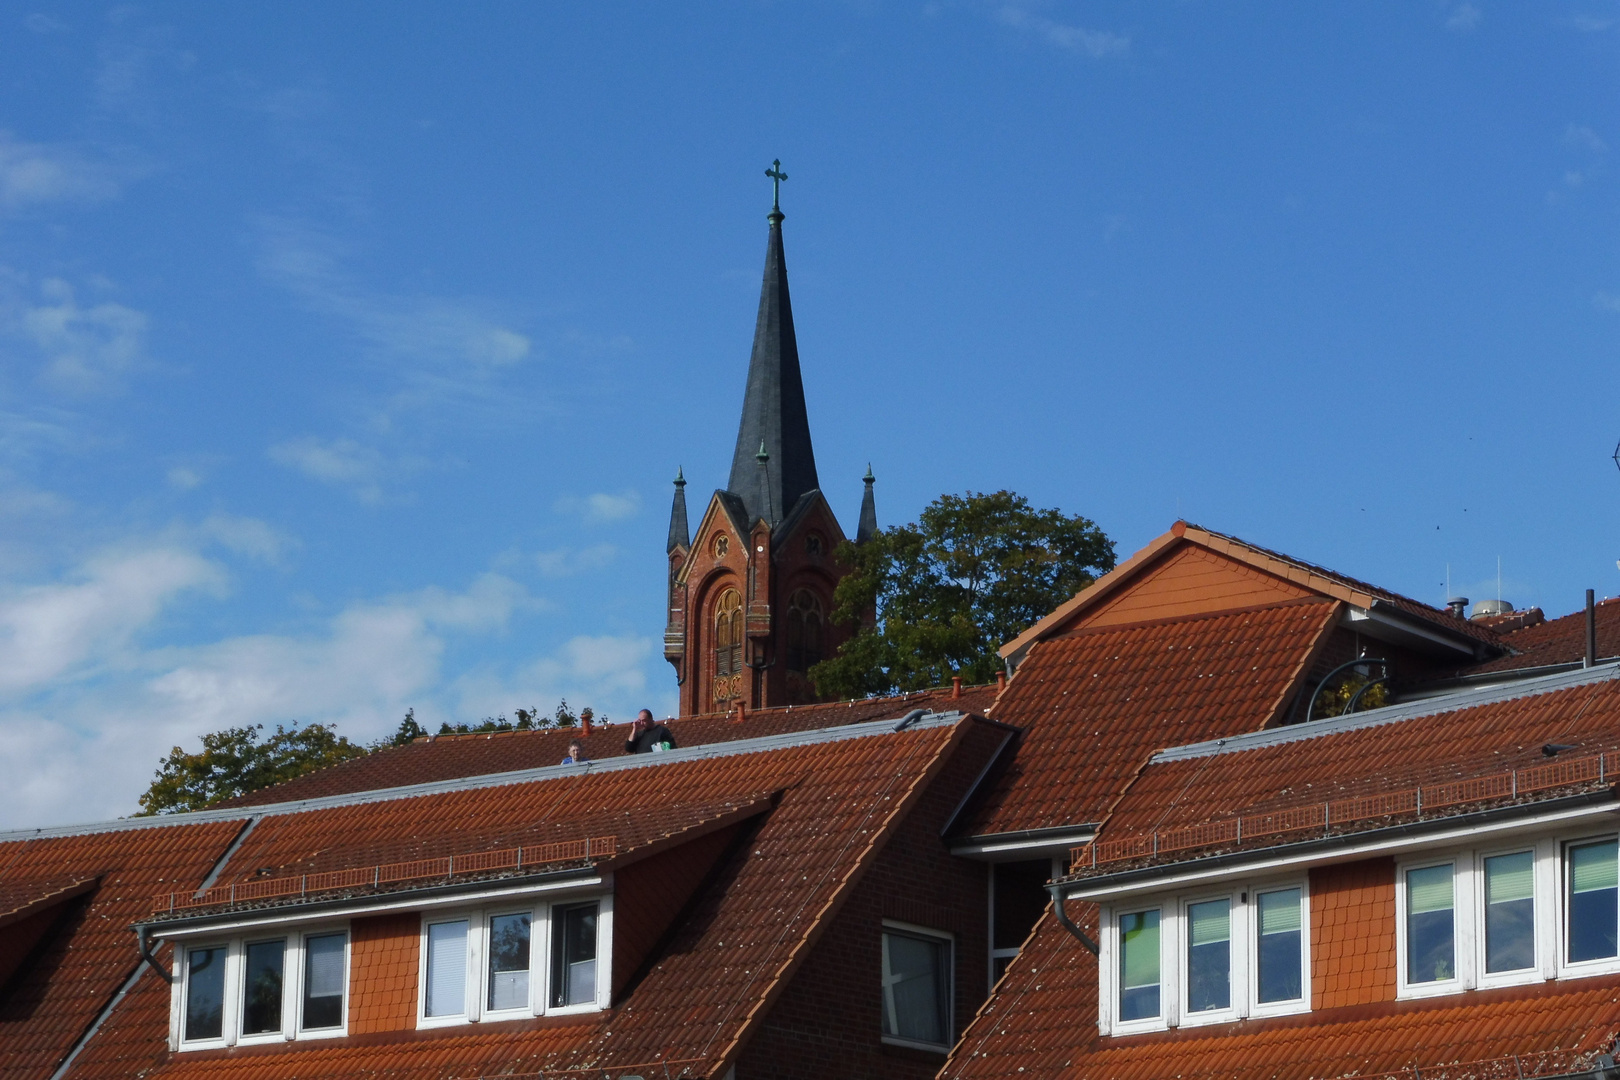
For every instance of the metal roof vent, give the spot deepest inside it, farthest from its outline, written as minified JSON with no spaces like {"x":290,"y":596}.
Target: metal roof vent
{"x":1458,"y":606}
{"x":1488,"y":608}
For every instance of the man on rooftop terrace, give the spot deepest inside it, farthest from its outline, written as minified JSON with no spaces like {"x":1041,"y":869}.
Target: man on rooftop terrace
{"x":646,"y":736}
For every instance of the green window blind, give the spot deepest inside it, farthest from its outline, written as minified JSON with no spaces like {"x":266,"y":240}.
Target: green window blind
{"x":1279,"y":911}
{"x":1211,"y":922}
{"x":1510,"y":877}
{"x":1593,"y":867}
{"x":1429,"y":889}
{"x":1139,"y":941}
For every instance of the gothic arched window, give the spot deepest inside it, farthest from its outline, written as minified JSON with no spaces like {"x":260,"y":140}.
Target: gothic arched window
{"x":805,"y":626}
{"x":728,"y":634}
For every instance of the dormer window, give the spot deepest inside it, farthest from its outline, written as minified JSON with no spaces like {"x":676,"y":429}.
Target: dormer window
{"x":481,"y":965}
{"x":255,"y":988}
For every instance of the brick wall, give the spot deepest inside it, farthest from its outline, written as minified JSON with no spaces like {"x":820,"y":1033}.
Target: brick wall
{"x":828,"y":1020}
{"x":383,"y":961}
{"x":1353,"y":933}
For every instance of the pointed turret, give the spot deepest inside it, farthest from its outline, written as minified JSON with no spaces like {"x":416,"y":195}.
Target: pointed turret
{"x":774,"y":420}
{"x":868,"y":523}
{"x":679,"y":535}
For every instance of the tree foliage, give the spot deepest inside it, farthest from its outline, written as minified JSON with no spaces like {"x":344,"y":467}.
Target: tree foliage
{"x":236,"y":761}
{"x":972,"y":573}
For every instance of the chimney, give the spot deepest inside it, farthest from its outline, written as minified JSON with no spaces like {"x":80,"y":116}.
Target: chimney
{"x":1458,"y":606}
{"x":956,"y":687}
{"x":1591,"y":630}
{"x":585,"y":717}
{"x":742,"y":711}
{"x":1001,"y":681}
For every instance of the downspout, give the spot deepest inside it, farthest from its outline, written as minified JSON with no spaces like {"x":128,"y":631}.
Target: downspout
{"x":1068,"y":924}
{"x":143,"y":943}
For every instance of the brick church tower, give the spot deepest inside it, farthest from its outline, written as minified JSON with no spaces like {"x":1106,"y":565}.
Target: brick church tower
{"x":751,"y":592}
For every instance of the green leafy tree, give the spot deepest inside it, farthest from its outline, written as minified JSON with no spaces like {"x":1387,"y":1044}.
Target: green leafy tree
{"x":409,"y":731}
{"x":236,"y":761}
{"x":948,"y":591}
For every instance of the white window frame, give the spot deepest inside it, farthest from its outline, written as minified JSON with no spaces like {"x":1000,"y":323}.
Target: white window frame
{"x":471,"y":999}
{"x":297,"y":983}
{"x":1237,"y":957}
{"x":474,"y":1009}
{"x":1544,"y":853}
{"x":288,"y":1007}
{"x":1584,"y":968}
{"x":1108,"y":964}
{"x":181,"y":989}
{"x":1174,"y":936}
{"x":949,"y":939}
{"x":1253,"y":1006}
{"x":1463,"y":939}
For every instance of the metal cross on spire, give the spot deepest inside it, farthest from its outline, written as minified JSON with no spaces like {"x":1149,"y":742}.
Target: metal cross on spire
{"x":777,"y":176}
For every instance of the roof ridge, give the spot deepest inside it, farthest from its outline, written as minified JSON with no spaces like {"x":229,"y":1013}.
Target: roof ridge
{"x":703,"y":751}
{"x":1391,"y":714}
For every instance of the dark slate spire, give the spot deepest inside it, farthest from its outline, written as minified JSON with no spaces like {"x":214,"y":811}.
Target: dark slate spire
{"x":868,"y":522}
{"x":774,"y":421}
{"x":679,"y":535}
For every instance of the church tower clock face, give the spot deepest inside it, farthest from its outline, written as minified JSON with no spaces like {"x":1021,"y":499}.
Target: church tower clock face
{"x":750,"y":605}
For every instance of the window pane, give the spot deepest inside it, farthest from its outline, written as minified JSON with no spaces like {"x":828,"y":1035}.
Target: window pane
{"x":1592,"y":900}
{"x":573,"y":955}
{"x":205,"y":993}
{"x":1209,"y":955}
{"x":1139,"y":965}
{"x":1281,"y":960}
{"x":323,"y":981}
{"x":1430,"y":924}
{"x":1020,"y":897}
{"x":509,"y":962}
{"x":1510,"y":935}
{"x":261,"y":987}
{"x":446,"y":969}
{"x":916,"y":988}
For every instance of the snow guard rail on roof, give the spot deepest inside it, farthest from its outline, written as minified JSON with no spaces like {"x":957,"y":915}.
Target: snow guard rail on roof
{"x":534,"y":857}
{"x":1346,"y":815}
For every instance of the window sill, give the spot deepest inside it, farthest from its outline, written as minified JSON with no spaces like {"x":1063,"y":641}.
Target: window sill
{"x":914,"y":1051}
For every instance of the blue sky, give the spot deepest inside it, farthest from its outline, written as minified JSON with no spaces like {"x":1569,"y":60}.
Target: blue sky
{"x":347,"y":350}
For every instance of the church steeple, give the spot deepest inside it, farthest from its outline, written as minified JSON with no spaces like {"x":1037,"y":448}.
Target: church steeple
{"x":679,"y":535}
{"x":868,"y":522}
{"x":774,"y":420}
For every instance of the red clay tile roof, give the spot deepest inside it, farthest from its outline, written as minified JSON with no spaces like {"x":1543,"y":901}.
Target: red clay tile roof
{"x":449,"y":757}
{"x":839,"y":798}
{"x":1382,"y":759}
{"x":52,"y":1000}
{"x":1558,"y":641}
{"x":24,"y":898}
{"x":1096,"y":703}
{"x":1327,"y":583}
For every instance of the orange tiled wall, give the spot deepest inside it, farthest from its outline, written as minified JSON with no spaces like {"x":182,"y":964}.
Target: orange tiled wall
{"x":383,"y":973}
{"x":1353,"y":933}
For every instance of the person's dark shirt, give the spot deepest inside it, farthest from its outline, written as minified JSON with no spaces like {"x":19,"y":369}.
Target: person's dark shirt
{"x":643,"y":743}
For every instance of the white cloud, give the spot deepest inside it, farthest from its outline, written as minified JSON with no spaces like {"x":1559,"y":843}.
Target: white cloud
{"x":1078,"y":39}
{"x":607,"y":673}
{"x":566,"y":562}
{"x":84,"y":348}
{"x":37,"y":173}
{"x":65,"y":629}
{"x":452,"y":335}
{"x":600,"y":508}
{"x":89,"y":705}
{"x":340,"y":462}
{"x":40,"y":23}
{"x":184,"y":478}
{"x":1582,"y":136}
{"x":1464,"y":18}
{"x":247,"y":536}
